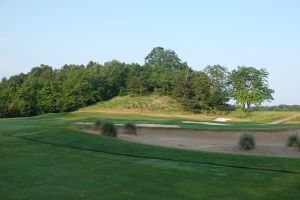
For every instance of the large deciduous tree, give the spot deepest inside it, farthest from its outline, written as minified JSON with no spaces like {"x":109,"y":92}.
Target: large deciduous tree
{"x":161,"y":57}
{"x":250,"y":86}
{"x":219,"y":85}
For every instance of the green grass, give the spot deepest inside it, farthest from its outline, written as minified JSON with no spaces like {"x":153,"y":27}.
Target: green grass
{"x":165,"y":105}
{"x":139,"y":119}
{"x":294,"y":121}
{"x":153,"y":103}
{"x":47,"y":157}
{"x":260,"y":117}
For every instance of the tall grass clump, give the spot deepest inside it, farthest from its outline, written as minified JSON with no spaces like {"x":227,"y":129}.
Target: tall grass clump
{"x":247,"y":141}
{"x":97,"y":124}
{"x":109,"y":129}
{"x":130,"y":128}
{"x":293,"y":141}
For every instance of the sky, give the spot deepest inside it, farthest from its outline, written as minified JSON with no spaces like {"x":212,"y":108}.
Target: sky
{"x":258,"y":33}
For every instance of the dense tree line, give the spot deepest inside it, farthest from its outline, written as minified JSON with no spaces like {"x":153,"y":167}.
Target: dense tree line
{"x":279,"y":108}
{"x":45,"y":89}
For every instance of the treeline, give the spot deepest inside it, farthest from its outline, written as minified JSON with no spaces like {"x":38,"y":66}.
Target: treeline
{"x":279,"y":108}
{"x":45,"y":89}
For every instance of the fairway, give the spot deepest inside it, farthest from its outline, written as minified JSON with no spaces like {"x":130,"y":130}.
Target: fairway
{"x":47,"y":157}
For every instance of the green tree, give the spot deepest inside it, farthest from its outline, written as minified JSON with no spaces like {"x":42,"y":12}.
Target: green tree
{"x":250,"y":86}
{"x":161,"y":57}
{"x":26,"y":98}
{"x":137,"y":80}
{"x":219,"y":85}
{"x":78,"y":90}
{"x":200,"y":86}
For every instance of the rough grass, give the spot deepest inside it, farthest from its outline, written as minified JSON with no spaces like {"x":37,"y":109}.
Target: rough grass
{"x":293,"y":141}
{"x":47,"y":158}
{"x":294,"y":121}
{"x":165,"y":105}
{"x":260,"y":117}
{"x":247,"y":141}
{"x":130,"y":128}
{"x":108,"y":128}
{"x":153,"y":103}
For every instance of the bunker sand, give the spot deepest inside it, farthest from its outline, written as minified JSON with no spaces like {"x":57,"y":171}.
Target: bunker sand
{"x":267,"y":143}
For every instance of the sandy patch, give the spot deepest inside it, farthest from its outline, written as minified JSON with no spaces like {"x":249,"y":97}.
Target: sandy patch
{"x":206,"y":123}
{"x":267,"y":143}
{"x":221,"y":119}
{"x":84,"y":123}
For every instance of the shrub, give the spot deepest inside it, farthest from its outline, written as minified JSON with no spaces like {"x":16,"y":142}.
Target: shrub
{"x":293,"y":141}
{"x":109,"y":129}
{"x":247,"y":141}
{"x":130,"y":128}
{"x":98,"y":123}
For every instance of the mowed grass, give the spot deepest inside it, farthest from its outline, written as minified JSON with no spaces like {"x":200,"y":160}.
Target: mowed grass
{"x":46,"y":157}
{"x":122,"y":118}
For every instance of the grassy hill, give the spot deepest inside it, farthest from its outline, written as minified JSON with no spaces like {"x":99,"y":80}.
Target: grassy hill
{"x":151,"y":103}
{"x":165,"y":105}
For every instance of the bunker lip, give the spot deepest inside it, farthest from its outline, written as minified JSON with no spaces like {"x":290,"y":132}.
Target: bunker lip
{"x":212,"y":127}
{"x":138,"y":125}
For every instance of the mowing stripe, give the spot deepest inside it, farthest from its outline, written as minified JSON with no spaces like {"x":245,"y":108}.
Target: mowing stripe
{"x":156,"y":157}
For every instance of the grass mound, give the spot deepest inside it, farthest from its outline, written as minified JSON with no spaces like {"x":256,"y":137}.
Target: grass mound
{"x":247,"y":141}
{"x":153,"y":103}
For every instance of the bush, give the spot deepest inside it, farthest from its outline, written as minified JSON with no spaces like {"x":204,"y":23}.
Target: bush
{"x":109,"y":129}
{"x":98,"y":123}
{"x":247,"y":141}
{"x":293,"y":141}
{"x":130,"y":128}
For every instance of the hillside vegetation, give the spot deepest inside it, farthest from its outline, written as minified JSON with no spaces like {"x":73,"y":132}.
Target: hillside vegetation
{"x":150,"y":103}
{"x":165,"y":105}
{"x":48,"y":90}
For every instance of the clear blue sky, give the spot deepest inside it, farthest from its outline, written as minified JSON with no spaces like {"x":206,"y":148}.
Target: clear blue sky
{"x":259,"y":33}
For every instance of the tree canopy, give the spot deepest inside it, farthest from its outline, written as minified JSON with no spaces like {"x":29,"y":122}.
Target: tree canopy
{"x":250,"y":86}
{"x":45,"y":89}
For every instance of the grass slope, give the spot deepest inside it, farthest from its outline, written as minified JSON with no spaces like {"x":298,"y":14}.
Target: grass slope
{"x":46,"y":158}
{"x":294,"y":121}
{"x":166,"y":106}
{"x":152,"y":103}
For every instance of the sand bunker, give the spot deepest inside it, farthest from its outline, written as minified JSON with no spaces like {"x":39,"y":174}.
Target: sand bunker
{"x":206,"y":123}
{"x":267,"y":143}
{"x":221,"y":119}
